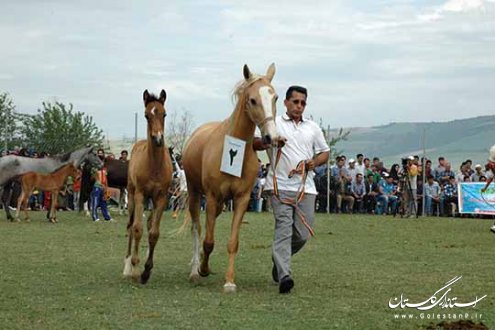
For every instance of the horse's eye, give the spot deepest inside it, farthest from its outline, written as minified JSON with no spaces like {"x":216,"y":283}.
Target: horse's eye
{"x":253,"y":101}
{"x":164,"y":115}
{"x":146,"y":116}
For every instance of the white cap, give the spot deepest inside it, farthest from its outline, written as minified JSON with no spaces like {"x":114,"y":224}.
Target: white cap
{"x":492,"y":154}
{"x":352,"y":160}
{"x":385,"y":175}
{"x":410,"y":157}
{"x":478,"y":166}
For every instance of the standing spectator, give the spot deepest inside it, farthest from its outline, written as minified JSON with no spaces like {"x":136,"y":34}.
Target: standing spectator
{"x":478,"y":173}
{"x":98,"y":198}
{"x":450,"y":196}
{"x":440,"y":168}
{"x":352,"y":170}
{"x":123,"y":156}
{"x":432,"y":196}
{"x":394,"y":173}
{"x":367,"y":167}
{"x":490,"y":172}
{"x":77,"y":192}
{"x":412,"y":174}
{"x":360,"y":164}
{"x":444,"y":176}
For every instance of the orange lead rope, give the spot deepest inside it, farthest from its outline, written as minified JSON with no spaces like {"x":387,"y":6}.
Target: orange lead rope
{"x":301,"y":170}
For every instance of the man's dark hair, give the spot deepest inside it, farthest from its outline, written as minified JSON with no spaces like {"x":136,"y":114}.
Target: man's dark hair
{"x":298,"y":89}
{"x":376,"y":158}
{"x":359,"y":155}
{"x":366,"y":159}
{"x":441,"y":158}
{"x":429,"y":177}
{"x":124,"y":152}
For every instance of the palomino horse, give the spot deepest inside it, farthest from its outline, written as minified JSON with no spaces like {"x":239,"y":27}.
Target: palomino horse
{"x":202,"y":158}
{"x":150,"y":173}
{"x":14,"y":166}
{"x":52,"y":182}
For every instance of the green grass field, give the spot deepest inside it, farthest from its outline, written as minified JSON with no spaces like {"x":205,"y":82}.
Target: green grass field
{"x":69,"y":275}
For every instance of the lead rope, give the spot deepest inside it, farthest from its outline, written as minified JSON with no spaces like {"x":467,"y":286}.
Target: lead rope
{"x":301,"y":170}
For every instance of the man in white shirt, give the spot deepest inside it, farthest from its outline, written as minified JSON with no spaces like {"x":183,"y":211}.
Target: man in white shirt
{"x":304,"y":142}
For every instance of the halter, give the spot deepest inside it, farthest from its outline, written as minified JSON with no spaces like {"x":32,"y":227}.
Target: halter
{"x":300,"y":169}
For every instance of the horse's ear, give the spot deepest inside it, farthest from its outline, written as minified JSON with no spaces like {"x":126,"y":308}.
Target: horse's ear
{"x":247,"y":73}
{"x":163,"y":96}
{"x":270,"y":72}
{"x":146,"y":95}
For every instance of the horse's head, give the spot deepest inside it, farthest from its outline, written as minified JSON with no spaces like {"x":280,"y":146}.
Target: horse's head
{"x":155,"y":115}
{"x":92,"y":159}
{"x":261,"y":98}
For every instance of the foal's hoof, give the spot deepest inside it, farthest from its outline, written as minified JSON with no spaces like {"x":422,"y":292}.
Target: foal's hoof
{"x":229,"y":287}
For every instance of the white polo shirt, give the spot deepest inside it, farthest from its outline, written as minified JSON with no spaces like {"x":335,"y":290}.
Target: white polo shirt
{"x":304,"y":140}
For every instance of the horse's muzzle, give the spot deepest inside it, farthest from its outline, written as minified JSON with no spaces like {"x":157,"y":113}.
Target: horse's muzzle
{"x":267,"y":139}
{"x":158,"y":140}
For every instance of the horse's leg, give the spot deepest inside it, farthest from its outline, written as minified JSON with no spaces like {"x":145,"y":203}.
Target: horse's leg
{"x":53,"y":207}
{"x":20,"y":202}
{"x":127,"y":262}
{"x":25,"y":200}
{"x":209,"y":241}
{"x":160,"y":203}
{"x":7,"y":192}
{"x":137,"y":233}
{"x":240,"y":207}
{"x":194,"y":206}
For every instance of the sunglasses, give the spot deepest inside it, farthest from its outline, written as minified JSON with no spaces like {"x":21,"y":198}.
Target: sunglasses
{"x":297,"y":102}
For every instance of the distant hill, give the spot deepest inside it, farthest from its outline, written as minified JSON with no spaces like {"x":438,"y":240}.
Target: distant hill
{"x":456,"y":140}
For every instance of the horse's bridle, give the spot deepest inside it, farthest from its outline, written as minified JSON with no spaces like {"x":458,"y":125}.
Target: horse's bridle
{"x":264,"y":122}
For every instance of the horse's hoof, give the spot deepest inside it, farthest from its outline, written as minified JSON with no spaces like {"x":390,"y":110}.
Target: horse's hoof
{"x":204,"y":273}
{"x":229,"y":287}
{"x":194,"y":278}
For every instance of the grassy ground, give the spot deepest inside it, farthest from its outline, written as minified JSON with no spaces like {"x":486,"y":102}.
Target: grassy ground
{"x":68,"y":275}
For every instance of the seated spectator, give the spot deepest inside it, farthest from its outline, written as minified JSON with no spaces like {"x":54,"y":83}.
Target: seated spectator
{"x":358,"y":192}
{"x":344,"y":192}
{"x":432,"y":196}
{"x":387,"y":196}
{"x":371,"y":194}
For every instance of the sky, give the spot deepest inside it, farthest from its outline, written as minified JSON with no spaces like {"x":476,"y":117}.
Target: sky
{"x":365,"y":63}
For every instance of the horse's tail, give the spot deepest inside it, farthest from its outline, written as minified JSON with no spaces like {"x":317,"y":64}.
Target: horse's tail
{"x":179,"y":232}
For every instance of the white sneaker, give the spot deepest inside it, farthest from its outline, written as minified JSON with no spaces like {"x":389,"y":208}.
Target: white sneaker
{"x":96,"y":220}
{"x":111,"y":220}
{"x":492,"y":228}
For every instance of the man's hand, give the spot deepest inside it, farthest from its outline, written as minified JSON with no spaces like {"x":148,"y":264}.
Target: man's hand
{"x":310,"y":164}
{"x":259,"y":144}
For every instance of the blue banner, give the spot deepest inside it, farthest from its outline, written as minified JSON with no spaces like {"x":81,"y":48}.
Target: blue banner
{"x":472,"y":200}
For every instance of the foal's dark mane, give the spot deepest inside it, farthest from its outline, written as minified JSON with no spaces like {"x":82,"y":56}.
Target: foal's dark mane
{"x":151,"y":98}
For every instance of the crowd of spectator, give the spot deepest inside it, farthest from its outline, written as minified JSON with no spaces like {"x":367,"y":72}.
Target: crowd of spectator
{"x":367,"y":186}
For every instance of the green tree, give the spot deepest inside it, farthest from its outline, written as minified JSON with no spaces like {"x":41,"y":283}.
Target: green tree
{"x":58,"y":128}
{"x":332,"y":141}
{"x":10,"y":123}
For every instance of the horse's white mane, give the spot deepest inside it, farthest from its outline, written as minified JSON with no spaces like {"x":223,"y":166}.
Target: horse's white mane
{"x":241,"y":86}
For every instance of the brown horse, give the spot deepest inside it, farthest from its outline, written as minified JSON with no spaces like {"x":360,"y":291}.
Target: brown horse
{"x":149,"y":176}
{"x":202,"y":157}
{"x":52,"y":182}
